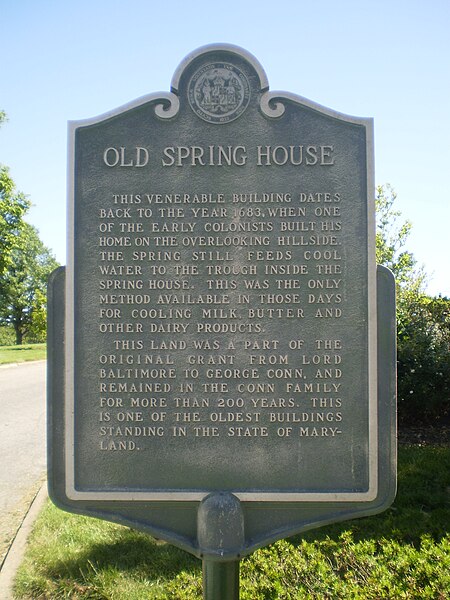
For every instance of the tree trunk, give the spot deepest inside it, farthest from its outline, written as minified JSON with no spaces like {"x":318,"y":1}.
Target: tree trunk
{"x":19,"y":336}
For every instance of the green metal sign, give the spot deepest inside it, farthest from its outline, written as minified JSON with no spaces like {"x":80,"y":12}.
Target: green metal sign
{"x":221,"y":345}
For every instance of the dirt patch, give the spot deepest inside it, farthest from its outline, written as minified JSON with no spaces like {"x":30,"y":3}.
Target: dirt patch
{"x":10,"y":522}
{"x":424,"y":436}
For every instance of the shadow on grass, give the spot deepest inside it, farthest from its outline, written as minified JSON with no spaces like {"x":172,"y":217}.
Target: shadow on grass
{"x":134,"y":554}
{"x":23,"y":347}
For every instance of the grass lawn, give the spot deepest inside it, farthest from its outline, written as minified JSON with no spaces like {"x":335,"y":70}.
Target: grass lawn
{"x":24,"y":353}
{"x":401,"y":553}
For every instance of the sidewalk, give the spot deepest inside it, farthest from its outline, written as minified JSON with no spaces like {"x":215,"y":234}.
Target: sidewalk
{"x":15,"y":553}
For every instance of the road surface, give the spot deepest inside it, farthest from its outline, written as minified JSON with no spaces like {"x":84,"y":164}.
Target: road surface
{"x":22,"y":443}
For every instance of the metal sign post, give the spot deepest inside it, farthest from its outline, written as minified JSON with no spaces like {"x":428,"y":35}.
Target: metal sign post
{"x":221,"y":539}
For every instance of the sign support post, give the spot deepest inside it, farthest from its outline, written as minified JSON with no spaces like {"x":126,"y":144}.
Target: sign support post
{"x":220,"y":534}
{"x":220,"y":580}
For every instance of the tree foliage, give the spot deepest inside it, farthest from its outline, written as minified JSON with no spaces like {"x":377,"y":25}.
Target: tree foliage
{"x":391,"y":238}
{"x":23,"y":284}
{"x":423,"y":364}
{"x":24,"y":263}
{"x":423,"y":323}
{"x":13,"y":206}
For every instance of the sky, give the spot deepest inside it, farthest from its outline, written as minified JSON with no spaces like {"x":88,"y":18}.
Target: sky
{"x":386,"y":59}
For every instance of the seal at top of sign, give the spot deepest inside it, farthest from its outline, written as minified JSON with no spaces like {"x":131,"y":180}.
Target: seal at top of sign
{"x":219,"y":92}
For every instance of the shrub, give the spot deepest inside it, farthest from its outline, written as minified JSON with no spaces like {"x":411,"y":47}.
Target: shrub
{"x":7,"y":336}
{"x":423,"y":359}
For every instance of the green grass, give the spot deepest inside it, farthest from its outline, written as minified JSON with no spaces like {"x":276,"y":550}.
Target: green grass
{"x":401,"y":553}
{"x":24,"y":353}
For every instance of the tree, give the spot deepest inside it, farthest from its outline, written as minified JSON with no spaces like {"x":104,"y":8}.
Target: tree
{"x":23,"y":284}
{"x":423,"y":359}
{"x":391,"y":238}
{"x":423,"y":323}
{"x":13,"y":206}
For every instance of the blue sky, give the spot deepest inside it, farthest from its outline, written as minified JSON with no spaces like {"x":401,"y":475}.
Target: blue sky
{"x":386,"y":59}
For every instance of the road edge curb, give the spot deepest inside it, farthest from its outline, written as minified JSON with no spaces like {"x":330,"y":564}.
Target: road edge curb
{"x":16,"y":551}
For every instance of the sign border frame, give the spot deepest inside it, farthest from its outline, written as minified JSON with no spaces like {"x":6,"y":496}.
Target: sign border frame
{"x":275,"y":109}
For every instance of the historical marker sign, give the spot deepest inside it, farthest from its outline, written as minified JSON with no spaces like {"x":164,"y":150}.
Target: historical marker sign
{"x":221,"y":318}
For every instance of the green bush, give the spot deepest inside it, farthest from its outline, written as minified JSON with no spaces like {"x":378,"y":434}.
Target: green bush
{"x":423,"y":323}
{"x":7,"y":337}
{"x":35,"y":337}
{"x":423,"y":355}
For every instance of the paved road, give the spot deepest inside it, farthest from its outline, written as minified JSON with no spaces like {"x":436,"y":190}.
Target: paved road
{"x":22,"y":443}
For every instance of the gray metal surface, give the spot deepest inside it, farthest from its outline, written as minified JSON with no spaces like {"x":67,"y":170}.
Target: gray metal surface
{"x":137,"y":205}
{"x":224,"y":323}
{"x":264,"y":522}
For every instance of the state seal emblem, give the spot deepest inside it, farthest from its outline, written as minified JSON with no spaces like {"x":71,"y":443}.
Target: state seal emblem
{"x":219,"y":92}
